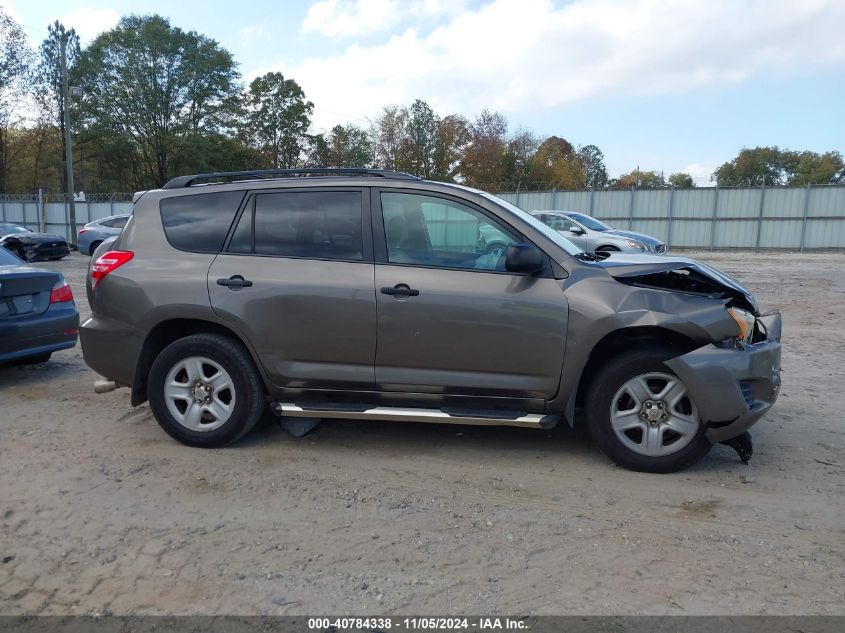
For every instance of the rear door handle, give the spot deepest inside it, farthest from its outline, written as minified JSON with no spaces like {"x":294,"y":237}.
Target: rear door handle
{"x":235,"y":282}
{"x":400,"y":291}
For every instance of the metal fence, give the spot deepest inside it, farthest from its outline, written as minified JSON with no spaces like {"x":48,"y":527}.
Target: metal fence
{"x":811,"y":217}
{"x":54,"y":217}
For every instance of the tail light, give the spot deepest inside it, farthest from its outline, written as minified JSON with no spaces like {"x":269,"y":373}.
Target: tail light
{"x":81,"y":231}
{"x":108,"y":262}
{"x":61,"y":293}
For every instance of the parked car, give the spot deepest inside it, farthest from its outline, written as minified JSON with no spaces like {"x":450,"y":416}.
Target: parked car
{"x":362,"y":294}
{"x":31,"y":246}
{"x":92,"y":234}
{"x":594,"y":235}
{"x":37,"y":313}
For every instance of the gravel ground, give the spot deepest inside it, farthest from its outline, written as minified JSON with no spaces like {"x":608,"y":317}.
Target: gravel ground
{"x":101,"y":512}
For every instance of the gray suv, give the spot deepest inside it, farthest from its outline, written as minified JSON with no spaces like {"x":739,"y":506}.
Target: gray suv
{"x":365,"y":294}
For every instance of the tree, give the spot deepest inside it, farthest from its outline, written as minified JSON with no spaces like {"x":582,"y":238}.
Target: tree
{"x":595,"y":172}
{"x":15,"y":59}
{"x":346,"y":146}
{"x":556,"y":164}
{"x":482,"y":165}
{"x":681,"y":180}
{"x":419,"y":143}
{"x":387,"y":134}
{"x":817,"y":169}
{"x":519,"y":150}
{"x":187,"y":80}
{"x":452,"y":138}
{"x":277,"y":119}
{"x":48,"y":80}
{"x":638,"y":178}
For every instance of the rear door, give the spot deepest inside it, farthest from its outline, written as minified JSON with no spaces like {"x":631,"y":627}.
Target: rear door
{"x":451,"y":320}
{"x":296,"y":278}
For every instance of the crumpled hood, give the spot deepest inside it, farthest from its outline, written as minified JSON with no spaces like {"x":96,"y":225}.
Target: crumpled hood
{"x":624,"y":265}
{"x":640,"y":237}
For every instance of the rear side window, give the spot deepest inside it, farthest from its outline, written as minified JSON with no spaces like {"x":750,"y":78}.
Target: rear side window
{"x":8,"y":259}
{"x":199,"y":222}
{"x":115,"y":223}
{"x":311,"y":224}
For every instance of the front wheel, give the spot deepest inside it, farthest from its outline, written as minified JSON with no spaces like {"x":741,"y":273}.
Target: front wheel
{"x":205,"y":391}
{"x":642,"y":416}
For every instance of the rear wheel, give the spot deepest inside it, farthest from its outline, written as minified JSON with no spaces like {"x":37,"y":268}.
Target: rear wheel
{"x":205,"y":391}
{"x":642,"y":416}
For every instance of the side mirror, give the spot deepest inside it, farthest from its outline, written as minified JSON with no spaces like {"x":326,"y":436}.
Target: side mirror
{"x":577,"y":230}
{"x":523,"y":258}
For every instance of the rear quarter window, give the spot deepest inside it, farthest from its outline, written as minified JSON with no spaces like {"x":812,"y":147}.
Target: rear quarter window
{"x":199,"y":222}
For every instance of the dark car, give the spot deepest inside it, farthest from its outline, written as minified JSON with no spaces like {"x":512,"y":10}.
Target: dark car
{"x":31,"y":246}
{"x":37,"y":313}
{"x":365,"y":294}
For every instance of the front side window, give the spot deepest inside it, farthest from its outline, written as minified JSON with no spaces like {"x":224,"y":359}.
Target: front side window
{"x":431,"y":231}
{"x":311,"y":224}
{"x":199,"y":222}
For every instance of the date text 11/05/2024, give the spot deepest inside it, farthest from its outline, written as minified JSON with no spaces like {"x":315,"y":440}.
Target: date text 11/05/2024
{"x":414,"y":624}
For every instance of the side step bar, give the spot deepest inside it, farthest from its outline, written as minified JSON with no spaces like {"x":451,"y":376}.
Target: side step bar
{"x":408,"y":414}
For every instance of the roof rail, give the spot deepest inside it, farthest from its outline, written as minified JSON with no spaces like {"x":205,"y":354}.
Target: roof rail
{"x":261,"y":174}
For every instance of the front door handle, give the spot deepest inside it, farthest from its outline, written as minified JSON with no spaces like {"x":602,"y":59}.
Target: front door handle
{"x":400,"y":291}
{"x":235,"y":282}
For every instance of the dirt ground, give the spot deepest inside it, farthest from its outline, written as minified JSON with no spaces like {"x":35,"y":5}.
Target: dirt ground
{"x":101,"y":512}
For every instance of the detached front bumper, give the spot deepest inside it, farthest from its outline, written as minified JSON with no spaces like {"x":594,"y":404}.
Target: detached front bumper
{"x":733,"y":388}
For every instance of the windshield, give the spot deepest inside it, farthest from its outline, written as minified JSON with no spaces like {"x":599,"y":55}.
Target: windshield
{"x":549,"y":232}
{"x":6,"y":229}
{"x":590,"y":223}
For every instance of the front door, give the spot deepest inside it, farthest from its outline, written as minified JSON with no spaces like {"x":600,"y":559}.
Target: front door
{"x":451,"y":320}
{"x":296,"y":278}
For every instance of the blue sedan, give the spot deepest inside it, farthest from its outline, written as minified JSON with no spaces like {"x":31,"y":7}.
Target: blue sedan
{"x":92,"y":234}
{"x":37,"y":313}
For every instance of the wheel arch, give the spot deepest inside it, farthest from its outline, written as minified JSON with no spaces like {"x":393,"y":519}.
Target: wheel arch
{"x":164,"y":333}
{"x":617,"y":341}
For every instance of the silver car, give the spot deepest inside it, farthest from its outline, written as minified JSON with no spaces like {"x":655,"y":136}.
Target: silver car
{"x":593,"y":235}
{"x":92,"y":234}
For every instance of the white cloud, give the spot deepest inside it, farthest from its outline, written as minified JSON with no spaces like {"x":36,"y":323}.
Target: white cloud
{"x":701,"y":173}
{"x":9,"y":7}
{"x":515,"y":55}
{"x":89,"y":23}
{"x":346,"y":18}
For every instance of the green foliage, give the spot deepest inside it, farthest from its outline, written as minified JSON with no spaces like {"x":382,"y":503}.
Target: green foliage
{"x":640,"y":179}
{"x":277,"y":118}
{"x":15,"y":58}
{"x":187,"y":79}
{"x":681,"y":180}
{"x":774,"y":166}
{"x":346,"y":146}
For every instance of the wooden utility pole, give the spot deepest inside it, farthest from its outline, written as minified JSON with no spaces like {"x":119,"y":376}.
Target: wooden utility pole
{"x":68,"y":149}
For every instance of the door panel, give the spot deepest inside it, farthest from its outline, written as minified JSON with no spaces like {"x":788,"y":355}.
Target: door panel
{"x":297,"y":280}
{"x":312,"y":322}
{"x":471,"y":333}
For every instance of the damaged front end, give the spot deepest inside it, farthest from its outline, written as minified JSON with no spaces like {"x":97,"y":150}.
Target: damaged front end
{"x":733,"y":381}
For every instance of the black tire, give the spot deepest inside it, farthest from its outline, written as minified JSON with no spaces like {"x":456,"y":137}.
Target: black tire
{"x":603,"y":387}
{"x":94,"y":246}
{"x":609,"y":249}
{"x":248,"y":388}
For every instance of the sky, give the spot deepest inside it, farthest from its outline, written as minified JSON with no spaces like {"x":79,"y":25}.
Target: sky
{"x":671,"y":85}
